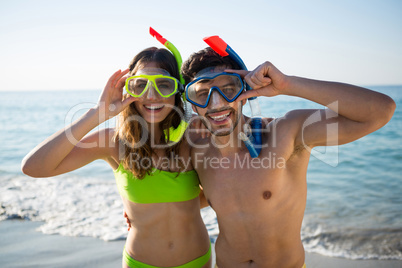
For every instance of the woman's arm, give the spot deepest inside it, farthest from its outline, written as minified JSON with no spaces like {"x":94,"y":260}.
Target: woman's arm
{"x":66,"y":150}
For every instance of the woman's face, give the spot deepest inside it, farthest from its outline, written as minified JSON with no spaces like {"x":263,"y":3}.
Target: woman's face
{"x":151,"y":105}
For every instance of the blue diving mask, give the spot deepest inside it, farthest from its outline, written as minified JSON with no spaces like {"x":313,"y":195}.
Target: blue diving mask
{"x":199,"y":91}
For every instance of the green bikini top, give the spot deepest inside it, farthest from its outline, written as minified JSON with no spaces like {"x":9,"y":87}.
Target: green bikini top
{"x":158,"y":187}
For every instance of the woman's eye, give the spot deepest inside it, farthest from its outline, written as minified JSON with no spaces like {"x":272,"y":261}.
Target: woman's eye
{"x":141,"y":85}
{"x":163,"y":86}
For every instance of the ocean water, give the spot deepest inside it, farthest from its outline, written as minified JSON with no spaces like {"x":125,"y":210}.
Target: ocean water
{"x":354,"y":203}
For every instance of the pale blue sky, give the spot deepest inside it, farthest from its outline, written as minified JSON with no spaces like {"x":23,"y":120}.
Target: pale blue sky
{"x":56,"y":45}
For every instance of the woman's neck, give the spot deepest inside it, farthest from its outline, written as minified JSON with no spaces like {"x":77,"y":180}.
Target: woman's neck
{"x":155,"y":132}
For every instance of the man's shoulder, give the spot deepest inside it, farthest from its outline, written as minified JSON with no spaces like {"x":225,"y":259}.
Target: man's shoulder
{"x":286,"y":126}
{"x":267,"y":120}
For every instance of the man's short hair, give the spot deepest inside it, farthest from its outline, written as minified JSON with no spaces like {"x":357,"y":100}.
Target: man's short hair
{"x":203,"y":59}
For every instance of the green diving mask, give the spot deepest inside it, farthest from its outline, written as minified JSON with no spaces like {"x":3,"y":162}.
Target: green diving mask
{"x":159,"y":79}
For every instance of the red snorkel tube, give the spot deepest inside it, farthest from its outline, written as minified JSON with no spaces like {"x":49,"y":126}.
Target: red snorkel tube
{"x":253,"y":142}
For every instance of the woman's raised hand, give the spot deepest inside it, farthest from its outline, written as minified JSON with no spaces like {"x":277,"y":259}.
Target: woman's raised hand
{"x":111,"y":101}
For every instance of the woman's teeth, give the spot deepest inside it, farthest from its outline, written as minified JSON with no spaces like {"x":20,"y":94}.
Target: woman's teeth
{"x":154,"y":107}
{"x":220,"y":117}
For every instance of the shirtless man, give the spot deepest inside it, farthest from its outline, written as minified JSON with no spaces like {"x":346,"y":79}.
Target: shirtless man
{"x":260,"y":202}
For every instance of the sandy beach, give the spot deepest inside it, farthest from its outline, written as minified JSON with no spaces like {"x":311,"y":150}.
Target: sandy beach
{"x":22,"y":246}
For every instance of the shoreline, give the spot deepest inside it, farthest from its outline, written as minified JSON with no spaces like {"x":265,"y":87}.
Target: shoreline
{"x":22,"y":246}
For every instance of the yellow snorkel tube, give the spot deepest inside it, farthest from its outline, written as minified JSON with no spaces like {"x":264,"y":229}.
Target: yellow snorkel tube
{"x":175,"y":134}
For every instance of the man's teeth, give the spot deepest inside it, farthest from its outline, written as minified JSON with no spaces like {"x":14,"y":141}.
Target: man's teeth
{"x":154,"y":107}
{"x":220,"y":117}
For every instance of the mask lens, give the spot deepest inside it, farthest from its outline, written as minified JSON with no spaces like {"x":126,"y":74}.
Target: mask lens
{"x":166,"y":86}
{"x":199,"y":92}
{"x":137,"y":86}
{"x":229,"y":85}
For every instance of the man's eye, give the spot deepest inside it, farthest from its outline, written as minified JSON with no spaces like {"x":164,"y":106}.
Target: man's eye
{"x":228,"y":90}
{"x":202,"y":93}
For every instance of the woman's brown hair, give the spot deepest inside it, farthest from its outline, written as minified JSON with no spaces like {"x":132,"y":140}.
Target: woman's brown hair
{"x":130,"y":131}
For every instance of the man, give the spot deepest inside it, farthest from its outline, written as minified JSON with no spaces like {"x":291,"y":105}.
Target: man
{"x":260,"y":202}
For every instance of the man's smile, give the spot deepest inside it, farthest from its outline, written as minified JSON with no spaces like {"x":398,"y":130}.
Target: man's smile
{"x":219,"y":118}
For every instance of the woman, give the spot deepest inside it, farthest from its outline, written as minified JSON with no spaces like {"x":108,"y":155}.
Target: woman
{"x":155,"y":179}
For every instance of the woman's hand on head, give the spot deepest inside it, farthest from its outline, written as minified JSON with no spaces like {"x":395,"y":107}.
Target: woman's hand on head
{"x":111,"y":101}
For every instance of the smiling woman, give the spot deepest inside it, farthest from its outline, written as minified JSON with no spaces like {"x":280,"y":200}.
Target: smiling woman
{"x":162,"y":201}
{"x":159,"y":112}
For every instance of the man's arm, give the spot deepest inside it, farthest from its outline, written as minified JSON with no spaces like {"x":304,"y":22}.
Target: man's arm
{"x":353,"y":111}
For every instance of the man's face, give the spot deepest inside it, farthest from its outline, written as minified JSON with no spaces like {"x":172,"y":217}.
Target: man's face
{"x":219,"y":116}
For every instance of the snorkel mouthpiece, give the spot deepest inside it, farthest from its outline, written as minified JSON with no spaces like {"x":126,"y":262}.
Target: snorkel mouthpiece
{"x":254,"y":141}
{"x":249,"y":142}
